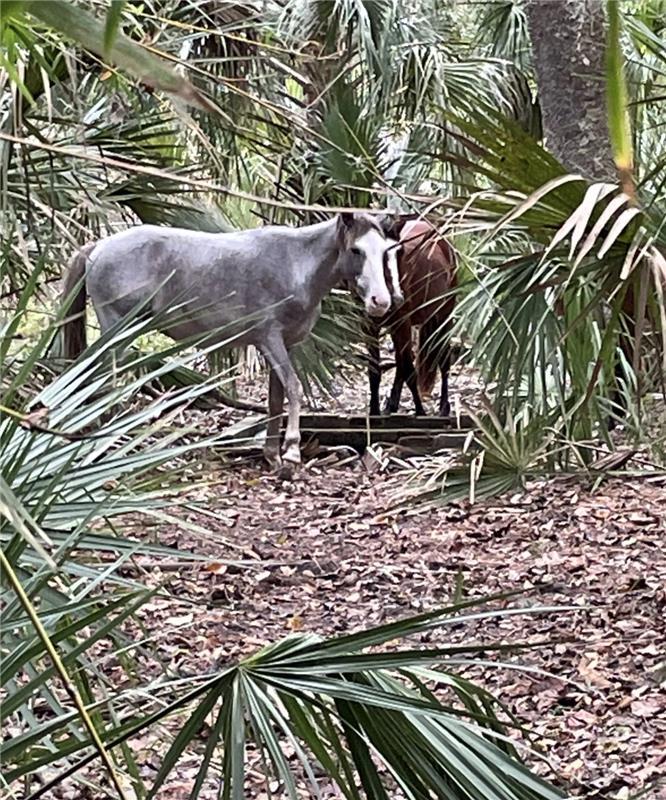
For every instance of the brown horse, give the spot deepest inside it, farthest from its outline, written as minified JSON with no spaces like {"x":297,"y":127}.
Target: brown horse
{"x":427,"y":272}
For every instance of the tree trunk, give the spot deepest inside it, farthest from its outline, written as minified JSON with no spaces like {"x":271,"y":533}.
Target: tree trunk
{"x":568,"y":43}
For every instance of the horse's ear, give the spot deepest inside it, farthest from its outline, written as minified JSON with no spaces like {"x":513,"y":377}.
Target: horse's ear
{"x":391,"y":224}
{"x":345,"y":227}
{"x":347,"y":220}
{"x":384,"y":221}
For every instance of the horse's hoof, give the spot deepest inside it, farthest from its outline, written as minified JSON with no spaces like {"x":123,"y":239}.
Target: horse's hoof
{"x":287,"y":471}
{"x":273,"y":460}
{"x":293,"y":455}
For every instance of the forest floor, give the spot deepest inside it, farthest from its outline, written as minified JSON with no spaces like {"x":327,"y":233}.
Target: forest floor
{"x":331,"y":554}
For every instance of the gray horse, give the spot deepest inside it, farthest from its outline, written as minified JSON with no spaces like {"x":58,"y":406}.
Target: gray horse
{"x":276,"y":275}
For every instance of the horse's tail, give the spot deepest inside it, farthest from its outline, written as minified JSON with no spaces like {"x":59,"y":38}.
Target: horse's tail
{"x":426,"y":360}
{"x":74,"y":327}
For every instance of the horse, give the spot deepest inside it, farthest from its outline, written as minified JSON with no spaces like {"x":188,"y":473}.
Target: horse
{"x":276,"y":275}
{"x":426,"y":274}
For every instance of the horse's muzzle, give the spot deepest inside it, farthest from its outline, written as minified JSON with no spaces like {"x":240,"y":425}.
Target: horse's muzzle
{"x":377,"y":309}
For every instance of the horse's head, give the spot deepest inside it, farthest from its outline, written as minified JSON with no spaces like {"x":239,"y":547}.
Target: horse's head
{"x":363,"y":247}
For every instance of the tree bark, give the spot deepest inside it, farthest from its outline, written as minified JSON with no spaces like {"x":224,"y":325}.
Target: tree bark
{"x":568,"y":43}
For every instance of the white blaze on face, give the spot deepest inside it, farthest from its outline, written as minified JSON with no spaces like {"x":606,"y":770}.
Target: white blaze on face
{"x":392,"y":252}
{"x":371,"y":283}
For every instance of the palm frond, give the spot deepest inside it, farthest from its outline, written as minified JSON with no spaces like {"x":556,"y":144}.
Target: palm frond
{"x":84,"y":28}
{"x":502,"y":27}
{"x":366,"y":718}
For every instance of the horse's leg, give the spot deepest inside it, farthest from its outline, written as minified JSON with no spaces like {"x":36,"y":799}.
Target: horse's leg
{"x":275,"y":408}
{"x":107,"y":318}
{"x":404,"y":370}
{"x":374,"y":368}
{"x":412,"y":381}
{"x":275,"y":351}
{"x":393,"y":401}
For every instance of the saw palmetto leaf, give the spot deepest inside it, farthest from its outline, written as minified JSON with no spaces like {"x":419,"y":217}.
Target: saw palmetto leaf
{"x":103,"y":38}
{"x":307,"y":702}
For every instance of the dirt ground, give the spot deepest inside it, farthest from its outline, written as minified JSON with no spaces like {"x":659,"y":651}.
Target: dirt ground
{"x":330,"y":554}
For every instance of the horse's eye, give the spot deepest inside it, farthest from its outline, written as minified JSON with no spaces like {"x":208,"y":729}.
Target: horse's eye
{"x":356,"y":251}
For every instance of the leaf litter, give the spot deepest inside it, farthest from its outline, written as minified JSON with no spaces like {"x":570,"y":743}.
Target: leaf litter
{"x":329,"y":554}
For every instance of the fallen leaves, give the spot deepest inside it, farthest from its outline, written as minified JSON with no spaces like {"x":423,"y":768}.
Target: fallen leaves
{"x":588,"y":670}
{"x":328,"y":554}
{"x":650,"y":707}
